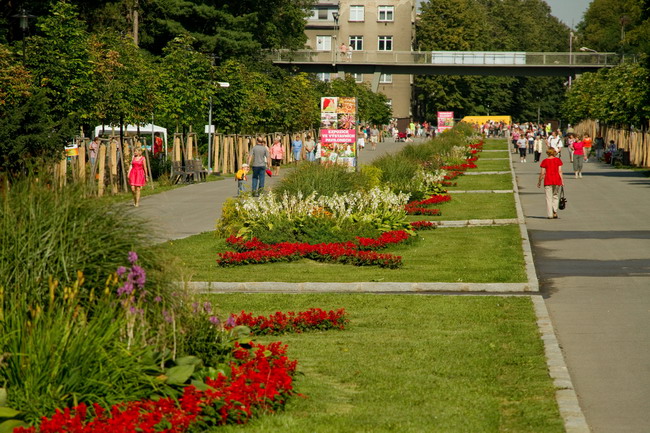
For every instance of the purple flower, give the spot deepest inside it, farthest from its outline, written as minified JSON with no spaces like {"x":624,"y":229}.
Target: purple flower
{"x":231,"y":322}
{"x":167,"y":316}
{"x":133,"y":257}
{"x":138,"y":275}
{"x":214,"y":320}
{"x":207,"y":307}
{"x":121,"y":270}
{"x":195,"y":307}
{"x":126,"y":288}
{"x":157,"y":299}
{"x":135,"y":310}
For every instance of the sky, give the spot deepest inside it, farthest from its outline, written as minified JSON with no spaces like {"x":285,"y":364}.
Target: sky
{"x":569,"y":11}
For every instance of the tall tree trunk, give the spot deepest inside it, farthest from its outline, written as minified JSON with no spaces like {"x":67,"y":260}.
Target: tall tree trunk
{"x":136,"y":23}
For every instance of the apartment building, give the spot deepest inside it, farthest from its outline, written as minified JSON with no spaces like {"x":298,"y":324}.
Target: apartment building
{"x":373,"y":29}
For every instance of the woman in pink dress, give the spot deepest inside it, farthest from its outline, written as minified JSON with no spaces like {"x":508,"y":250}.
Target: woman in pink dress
{"x":137,"y":175}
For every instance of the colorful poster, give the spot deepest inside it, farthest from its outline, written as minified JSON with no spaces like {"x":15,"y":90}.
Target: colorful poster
{"x":445,"y":120}
{"x":347,"y":106}
{"x":329,"y":104}
{"x":338,"y":135}
{"x":72,"y":150}
{"x":329,"y":120}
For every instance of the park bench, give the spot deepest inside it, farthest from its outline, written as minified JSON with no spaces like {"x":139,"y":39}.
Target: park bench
{"x":192,"y":171}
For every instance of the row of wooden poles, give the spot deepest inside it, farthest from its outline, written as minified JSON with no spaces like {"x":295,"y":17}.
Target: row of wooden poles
{"x":231,"y":151}
{"x":109,"y":172}
{"x":637,"y":143}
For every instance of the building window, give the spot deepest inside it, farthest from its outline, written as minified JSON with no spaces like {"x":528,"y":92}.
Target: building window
{"x":356,"y":42}
{"x":324,"y":43}
{"x":386,"y":13}
{"x":356,"y":13}
{"x":386,"y":78}
{"x":358,"y":78}
{"x":385,"y":43}
{"x":322,"y":14}
{"x":323,"y":76}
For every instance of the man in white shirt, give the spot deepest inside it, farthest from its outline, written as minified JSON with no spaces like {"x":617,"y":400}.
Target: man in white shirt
{"x":555,"y":141}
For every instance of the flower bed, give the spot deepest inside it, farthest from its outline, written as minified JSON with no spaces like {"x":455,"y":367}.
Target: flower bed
{"x":280,"y":323}
{"x":423,"y":225}
{"x":260,"y":381}
{"x":416,"y":207}
{"x":356,"y":253}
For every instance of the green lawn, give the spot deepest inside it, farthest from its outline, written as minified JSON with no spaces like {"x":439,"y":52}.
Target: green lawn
{"x":473,"y":206}
{"x":469,"y":254}
{"x":491,"y":165}
{"x":482,"y":182}
{"x":412,"y":364}
{"x":499,"y":154}
{"x":495,"y":144}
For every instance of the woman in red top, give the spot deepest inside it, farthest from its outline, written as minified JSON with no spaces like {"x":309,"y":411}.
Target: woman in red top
{"x":579,"y":150}
{"x":551,"y":174}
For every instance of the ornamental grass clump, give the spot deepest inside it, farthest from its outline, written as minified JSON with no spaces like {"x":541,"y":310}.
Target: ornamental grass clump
{"x":47,"y":231}
{"x":322,"y":179}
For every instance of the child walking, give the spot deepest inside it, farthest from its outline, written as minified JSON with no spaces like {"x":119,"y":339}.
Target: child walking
{"x":241,"y":179}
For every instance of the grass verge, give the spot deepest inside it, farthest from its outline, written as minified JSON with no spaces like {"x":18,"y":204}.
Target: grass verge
{"x":488,"y":165}
{"x":482,"y":182}
{"x":495,"y":144}
{"x":468,"y":254}
{"x":413,"y":364}
{"x":473,"y":206}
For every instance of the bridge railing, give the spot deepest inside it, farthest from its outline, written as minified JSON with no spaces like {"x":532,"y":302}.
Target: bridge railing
{"x":448,"y":58}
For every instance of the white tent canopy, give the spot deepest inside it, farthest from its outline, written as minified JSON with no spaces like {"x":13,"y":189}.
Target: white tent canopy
{"x":144,"y":130}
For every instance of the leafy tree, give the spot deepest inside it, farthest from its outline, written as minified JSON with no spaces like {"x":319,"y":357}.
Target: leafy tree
{"x":124,"y":81}
{"x":15,"y":80}
{"x":609,"y":25}
{"x":185,"y":85}
{"x":59,"y":62}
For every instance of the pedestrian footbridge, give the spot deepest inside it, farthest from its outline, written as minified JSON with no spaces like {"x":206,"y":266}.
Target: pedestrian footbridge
{"x":492,"y":63}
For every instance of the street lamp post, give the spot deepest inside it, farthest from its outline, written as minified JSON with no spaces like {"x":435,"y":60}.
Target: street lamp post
{"x":570,"y":55}
{"x":23,"y":22}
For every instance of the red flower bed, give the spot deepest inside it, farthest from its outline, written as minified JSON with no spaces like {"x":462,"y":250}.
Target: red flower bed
{"x":477,"y":146}
{"x":423,"y":225}
{"x":261,"y":381}
{"x":279,"y":323}
{"x":354,"y":253}
{"x":416,"y":207}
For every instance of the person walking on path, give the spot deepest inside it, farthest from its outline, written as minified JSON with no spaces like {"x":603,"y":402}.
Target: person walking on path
{"x":260,"y":159}
{"x":588,"y":144}
{"x":241,"y":179}
{"x":137,"y":175}
{"x":94,"y":146}
{"x":538,"y":147}
{"x":578,"y":151}
{"x":599,"y":145}
{"x":296,"y":148}
{"x":522,"y":144}
{"x":277,"y":155}
{"x":551,"y":175}
{"x":310,"y":148}
{"x":555,"y":142}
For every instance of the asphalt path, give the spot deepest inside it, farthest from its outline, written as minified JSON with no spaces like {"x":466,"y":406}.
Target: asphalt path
{"x":594,"y":269}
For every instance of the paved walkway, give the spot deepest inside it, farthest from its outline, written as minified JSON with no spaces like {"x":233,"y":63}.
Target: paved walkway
{"x":594,"y":269}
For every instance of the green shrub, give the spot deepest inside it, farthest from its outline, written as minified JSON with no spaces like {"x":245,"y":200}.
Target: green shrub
{"x":398,"y":172}
{"x":57,"y":355}
{"x":323,"y":179}
{"x":372,"y":174}
{"x":50,"y":232}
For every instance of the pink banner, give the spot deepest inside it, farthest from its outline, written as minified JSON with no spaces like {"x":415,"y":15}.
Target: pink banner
{"x":341,"y":136}
{"x":445,"y":120}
